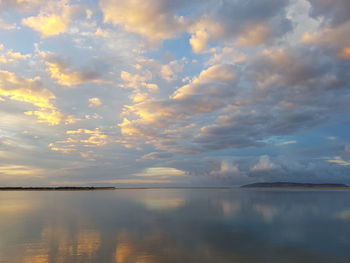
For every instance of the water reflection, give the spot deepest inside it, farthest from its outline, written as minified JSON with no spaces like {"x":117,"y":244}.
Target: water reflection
{"x":171,"y":226}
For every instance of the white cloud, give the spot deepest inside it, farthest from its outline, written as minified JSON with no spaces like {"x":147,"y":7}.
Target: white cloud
{"x":286,"y":143}
{"x":264,"y":164}
{"x":339,"y":160}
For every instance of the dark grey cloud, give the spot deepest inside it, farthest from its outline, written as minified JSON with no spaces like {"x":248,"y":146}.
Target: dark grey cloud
{"x":157,"y":156}
{"x":237,"y":15}
{"x":335,"y":11}
{"x":293,"y":90}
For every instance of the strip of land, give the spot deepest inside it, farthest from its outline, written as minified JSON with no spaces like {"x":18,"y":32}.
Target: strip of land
{"x":78,"y":188}
{"x":60,"y":188}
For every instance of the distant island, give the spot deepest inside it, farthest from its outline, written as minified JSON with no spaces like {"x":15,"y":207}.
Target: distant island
{"x":59,"y":188}
{"x":292,"y":185}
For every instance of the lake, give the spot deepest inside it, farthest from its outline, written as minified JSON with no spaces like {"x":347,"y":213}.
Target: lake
{"x":175,"y":226}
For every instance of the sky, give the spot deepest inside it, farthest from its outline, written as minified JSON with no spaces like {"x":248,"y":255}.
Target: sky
{"x":174,"y":92}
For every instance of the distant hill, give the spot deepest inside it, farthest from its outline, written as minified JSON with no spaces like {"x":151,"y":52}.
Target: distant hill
{"x":292,"y":185}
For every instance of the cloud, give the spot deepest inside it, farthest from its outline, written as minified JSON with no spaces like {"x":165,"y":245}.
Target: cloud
{"x":31,"y":91}
{"x":209,"y":91}
{"x":226,"y":169}
{"x":286,"y":143}
{"x":227,"y":55}
{"x":202,"y":31}
{"x":6,"y":26}
{"x":264,"y":164}
{"x":253,"y":36}
{"x":53,"y":117}
{"x":138,"y":81}
{"x":169,"y":71}
{"x":157,"y":156}
{"x":343,"y":215}
{"x":61,"y":71}
{"x":20,"y":170}
{"x":25,"y":90}
{"x":53,"y":19}
{"x":338,"y":160}
{"x":161,"y":172}
{"x":83,"y":142}
{"x":95,"y":102}
{"x":47,"y":25}
{"x":158,"y":20}
{"x":336,"y":38}
{"x":126,"y":181}
{"x":155,"y":20}
{"x":198,"y":41}
{"x":248,"y":24}
{"x":205,"y":94}
{"x":280,"y":94}
{"x":10,"y":56}
{"x":334,"y":11}
{"x":21,"y":5}
{"x":254,"y":74}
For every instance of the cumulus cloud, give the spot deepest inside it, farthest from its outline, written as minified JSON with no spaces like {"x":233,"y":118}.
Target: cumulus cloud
{"x":226,"y":169}
{"x":48,"y":25}
{"x":334,"y":38}
{"x":65,"y":75}
{"x":169,"y":71}
{"x":205,"y":94}
{"x":153,"y":19}
{"x":138,"y":81}
{"x":53,"y":18}
{"x":264,"y":164}
{"x":335,"y":11}
{"x":283,"y":96}
{"x":248,"y":24}
{"x":31,"y":91}
{"x":209,"y":21}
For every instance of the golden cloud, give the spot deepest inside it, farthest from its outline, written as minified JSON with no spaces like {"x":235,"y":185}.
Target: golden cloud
{"x":47,"y":25}
{"x":25,"y":90}
{"x":81,"y":141}
{"x":150,"y":19}
{"x":30,"y":91}
{"x":53,"y":19}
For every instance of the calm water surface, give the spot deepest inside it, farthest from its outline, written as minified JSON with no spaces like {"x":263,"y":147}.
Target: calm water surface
{"x":175,"y":226}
